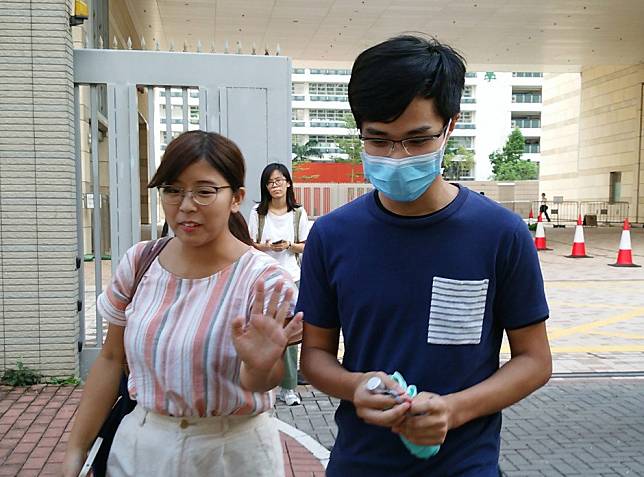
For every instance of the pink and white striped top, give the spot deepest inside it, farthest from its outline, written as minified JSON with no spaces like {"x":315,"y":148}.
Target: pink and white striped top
{"x":178,"y":338}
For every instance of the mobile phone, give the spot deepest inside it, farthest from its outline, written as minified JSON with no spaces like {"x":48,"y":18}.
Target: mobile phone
{"x":278,"y":241}
{"x":87,"y":466}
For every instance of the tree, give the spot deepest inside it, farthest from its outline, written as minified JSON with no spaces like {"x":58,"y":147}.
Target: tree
{"x":351,"y":145}
{"x":304,"y":151}
{"x":458,"y":161}
{"x":507,"y":164}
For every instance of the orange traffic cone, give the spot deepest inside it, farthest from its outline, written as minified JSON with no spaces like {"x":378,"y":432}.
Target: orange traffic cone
{"x":540,"y":236}
{"x":578,"y":244}
{"x":530,"y":217}
{"x":625,"y":256}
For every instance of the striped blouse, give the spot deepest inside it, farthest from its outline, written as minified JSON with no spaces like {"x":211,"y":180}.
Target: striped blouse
{"x":178,"y":338}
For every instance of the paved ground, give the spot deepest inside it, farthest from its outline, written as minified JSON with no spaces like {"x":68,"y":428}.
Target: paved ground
{"x":35,"y":423}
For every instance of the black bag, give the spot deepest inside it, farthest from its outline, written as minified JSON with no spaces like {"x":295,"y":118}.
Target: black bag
{"x":124,"y":405}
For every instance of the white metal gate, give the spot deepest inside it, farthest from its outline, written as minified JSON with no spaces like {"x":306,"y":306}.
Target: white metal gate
{"x":244,"y":97}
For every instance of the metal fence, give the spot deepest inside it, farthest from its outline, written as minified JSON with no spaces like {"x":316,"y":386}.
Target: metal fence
{"x":606,"y":212}
{"x":321,"y":198}
{"x":603,"y":212}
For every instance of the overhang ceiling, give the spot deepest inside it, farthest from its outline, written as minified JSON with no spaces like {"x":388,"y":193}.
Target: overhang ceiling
{"x":549,"y":35}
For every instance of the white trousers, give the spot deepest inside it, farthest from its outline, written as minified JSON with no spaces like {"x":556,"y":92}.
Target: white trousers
{"x":149,"y":444}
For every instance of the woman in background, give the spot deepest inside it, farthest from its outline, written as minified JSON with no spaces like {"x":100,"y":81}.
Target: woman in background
{"x":279,"y":227}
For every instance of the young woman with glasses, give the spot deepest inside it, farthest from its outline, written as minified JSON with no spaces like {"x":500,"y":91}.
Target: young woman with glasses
{"x":203,"y":334}
{"x":279,"y":227}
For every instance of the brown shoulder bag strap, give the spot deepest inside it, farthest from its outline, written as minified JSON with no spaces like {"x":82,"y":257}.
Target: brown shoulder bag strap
{"x":150,"y":252}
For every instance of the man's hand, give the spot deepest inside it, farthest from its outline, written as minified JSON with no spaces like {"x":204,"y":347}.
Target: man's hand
{"x":427,"y":421}
{"x":380,"y":409}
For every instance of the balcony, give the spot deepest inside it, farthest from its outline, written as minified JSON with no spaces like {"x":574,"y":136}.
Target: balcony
{"x":526,"y":123}
{"x":526,"y":98}
{"x":325,"y":98}
{"x":468,"y":100}
{"x":465,"y":126}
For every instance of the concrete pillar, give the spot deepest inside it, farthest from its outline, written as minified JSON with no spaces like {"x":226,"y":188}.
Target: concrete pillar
{"x":38,"y":276}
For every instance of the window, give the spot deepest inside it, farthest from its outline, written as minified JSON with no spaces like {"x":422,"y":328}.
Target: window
{"x":194,"y":114}
{"x":470,"y":74}
{"x":328,"y":88}
{"x":328,"y":118}
{"x":466,"y":121}
{"x":526,"y":95}
{"x":326,"y":144}
{"x":615,"y":187}
{"x":467,"y":117}
{"x":297,"y":117}
{"x":468,"y":94}
{"x":298,"y":88}
{"x":525,"y":120}
{"x":177,"y":111}
{"x":532,"y":145}
{"x":298,"y":71}
{"x":527,"y":74}
{"x":465,"y":141}
{"x":322,"y":71}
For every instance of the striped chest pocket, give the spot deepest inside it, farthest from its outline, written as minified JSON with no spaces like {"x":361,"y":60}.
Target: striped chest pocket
{"x":456,"y":312}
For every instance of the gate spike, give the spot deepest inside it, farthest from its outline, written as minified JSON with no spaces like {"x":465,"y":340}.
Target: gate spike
{"x":143,"y":43}
{"x":100,"y":41}
{"x":199,"y":46}
{"x":86,"y":39}
{"x":185,"y":46}
{"x":266,"y":53}
{"x":129,"y":43}
{"x":239,"y":48}
{"x":171,"y":45}
{"x":157,"y":45}
{"x":277,"y":50}
{"x":254,"y":51}
{"x":212,"y":47}
{"x":226,"y":47}
{"x":115,"y":43}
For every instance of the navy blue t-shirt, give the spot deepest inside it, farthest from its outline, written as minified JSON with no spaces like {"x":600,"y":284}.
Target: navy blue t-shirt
{"x":426,"y":296}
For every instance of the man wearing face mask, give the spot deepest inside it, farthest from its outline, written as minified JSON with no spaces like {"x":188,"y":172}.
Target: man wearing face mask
{"x":418,"y":283}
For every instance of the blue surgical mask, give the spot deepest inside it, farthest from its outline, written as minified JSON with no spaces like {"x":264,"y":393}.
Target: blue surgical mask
{"x":407,"y":178}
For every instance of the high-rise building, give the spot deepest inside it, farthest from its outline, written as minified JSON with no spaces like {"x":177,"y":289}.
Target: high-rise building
{"x":493,"y":103}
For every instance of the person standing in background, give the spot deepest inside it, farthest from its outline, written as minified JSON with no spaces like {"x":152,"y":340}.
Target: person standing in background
{"x":279,"y":227}
{"x":544,"y":206}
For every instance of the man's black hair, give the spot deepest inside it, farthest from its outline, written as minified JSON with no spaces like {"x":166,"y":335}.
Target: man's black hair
{"x":387,"y":77}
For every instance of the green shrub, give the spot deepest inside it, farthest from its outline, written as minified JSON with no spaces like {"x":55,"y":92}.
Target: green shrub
{"x":21,"y":376}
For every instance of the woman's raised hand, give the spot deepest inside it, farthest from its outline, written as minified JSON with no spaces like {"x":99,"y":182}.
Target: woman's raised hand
{"x":261,"y":341}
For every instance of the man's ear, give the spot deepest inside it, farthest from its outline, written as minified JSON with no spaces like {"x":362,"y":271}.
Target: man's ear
{"x":453,"y":123}
{"x":238,"y":198}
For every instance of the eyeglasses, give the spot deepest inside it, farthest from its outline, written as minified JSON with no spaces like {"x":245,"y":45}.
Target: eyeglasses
{"x":202,"y":195}
{"x":276,"y":182}
{"x":412,"y":146}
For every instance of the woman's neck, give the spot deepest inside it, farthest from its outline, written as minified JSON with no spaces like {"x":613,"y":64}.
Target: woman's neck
{"x":198,"y":262}
{"x":278,"y":205}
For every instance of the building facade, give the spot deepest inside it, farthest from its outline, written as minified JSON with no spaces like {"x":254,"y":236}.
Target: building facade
{"x":592,"y":136}
{"x":493,"y":103}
